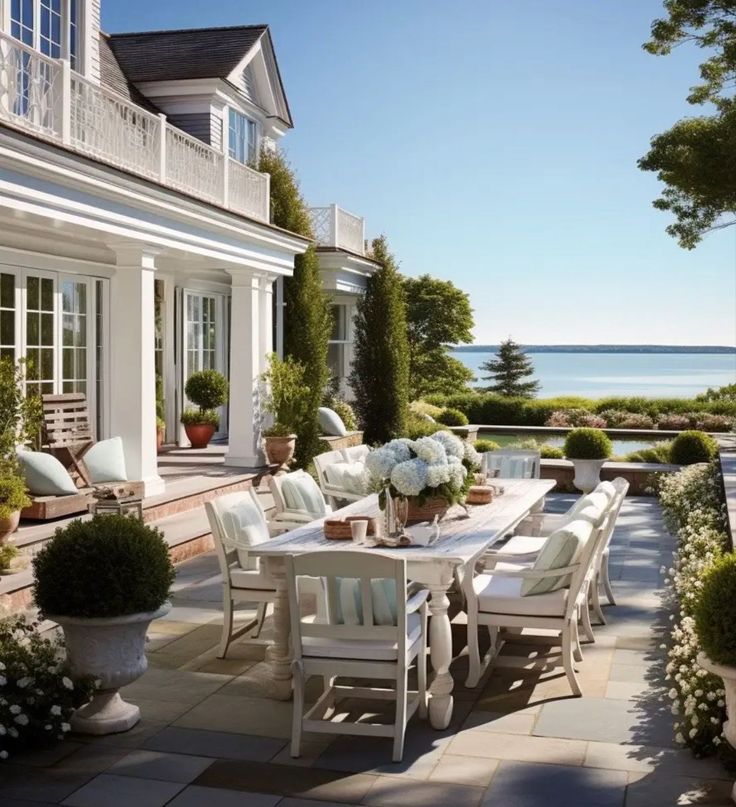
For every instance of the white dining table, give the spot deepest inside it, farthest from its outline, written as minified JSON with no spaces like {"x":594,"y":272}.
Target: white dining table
{"x":463,"y":540}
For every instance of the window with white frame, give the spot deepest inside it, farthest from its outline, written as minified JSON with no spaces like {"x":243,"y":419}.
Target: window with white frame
{"x":242,"y":138}
{"x":49,"y":26}
{"x":339,"y":340}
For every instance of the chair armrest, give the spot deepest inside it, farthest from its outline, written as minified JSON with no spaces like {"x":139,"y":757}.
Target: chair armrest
{"x":341,"y":493}
{"x":536,"y":574}
{"x":417,"y":600}
{"x":294,"y":515}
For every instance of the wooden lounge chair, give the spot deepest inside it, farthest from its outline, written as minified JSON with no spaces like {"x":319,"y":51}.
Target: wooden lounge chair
{"x":67,"y":432}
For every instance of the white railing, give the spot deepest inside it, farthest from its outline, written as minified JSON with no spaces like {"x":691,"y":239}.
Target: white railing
{"x":44,"y":96}
{"x":335,"y":227}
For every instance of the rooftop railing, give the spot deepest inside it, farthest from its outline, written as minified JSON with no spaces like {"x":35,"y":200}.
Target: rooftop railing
{"x":43,"y":96}
{"x":335,"y":227}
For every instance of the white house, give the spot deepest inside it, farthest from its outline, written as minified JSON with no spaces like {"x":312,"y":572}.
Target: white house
{"x":134,"y":237}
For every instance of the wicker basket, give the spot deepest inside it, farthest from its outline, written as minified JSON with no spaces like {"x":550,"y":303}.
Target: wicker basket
{"x":416,"y":512}
{"x":480,"y":494}
{"x":338,"y":529}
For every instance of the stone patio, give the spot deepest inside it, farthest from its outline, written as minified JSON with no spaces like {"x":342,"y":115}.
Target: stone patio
{"x":209,"y":738}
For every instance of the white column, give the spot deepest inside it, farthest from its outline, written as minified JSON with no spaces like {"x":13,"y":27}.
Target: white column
{"x":132,"y":364}
{"x":245,"y":366}
{"x":266,"y":320}
{"x":279,"y":347}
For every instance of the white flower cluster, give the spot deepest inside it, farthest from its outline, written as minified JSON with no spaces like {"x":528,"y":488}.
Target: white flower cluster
{"x":694,"y":513}
{"x":37,"y":697}
{"x":414,"y":467}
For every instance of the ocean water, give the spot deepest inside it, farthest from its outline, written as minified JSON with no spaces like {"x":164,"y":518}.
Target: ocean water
{"x":598,"y":375}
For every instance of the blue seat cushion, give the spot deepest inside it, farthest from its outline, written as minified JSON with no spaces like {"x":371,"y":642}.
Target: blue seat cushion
{"x":45,"y":475}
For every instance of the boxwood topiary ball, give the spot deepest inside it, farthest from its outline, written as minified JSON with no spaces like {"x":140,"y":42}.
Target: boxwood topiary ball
{"x":715,"y":612}
{"x":693,"y":446}
{"x":588,"y":444}
{"x":452,"y":417}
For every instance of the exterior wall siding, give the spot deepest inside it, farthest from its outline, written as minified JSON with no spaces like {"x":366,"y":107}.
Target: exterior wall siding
{"x":91,"y":25}
{"x":197,"y":124}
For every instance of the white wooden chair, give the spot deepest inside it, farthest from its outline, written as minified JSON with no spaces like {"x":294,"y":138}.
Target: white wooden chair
{"x":238,"y":523}
{"x":297,"y":501}
{"x":356,"y":453}
{"x":512,"y":463}
{"x":334,"y":493}
{"x":494,"y":599}
{"x":361,"y":649}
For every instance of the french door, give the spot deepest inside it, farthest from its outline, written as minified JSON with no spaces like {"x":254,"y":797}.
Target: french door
{"x":55,"y":322}
{"x":203,"y":338}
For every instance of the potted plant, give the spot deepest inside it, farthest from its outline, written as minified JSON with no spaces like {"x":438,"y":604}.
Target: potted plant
{"x":285,"y":399}
{"x":104,"y":581}
{"x":160,"y":433}
{"x":13,"y":498}
{"x":160,"y":413}
{"x":715,"y":625}
{"x":429,"y":474}
{"x":588,"y":449}
{"x":208,"y":390}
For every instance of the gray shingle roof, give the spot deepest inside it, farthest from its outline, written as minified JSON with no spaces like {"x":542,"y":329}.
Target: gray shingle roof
{"x":114,"y":79}
{"x":183,"y":54}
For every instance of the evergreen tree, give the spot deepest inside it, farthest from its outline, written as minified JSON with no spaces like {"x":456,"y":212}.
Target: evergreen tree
{"x":308,"y":319}
{"x":380,"y":373}
{"x":508,"y":370}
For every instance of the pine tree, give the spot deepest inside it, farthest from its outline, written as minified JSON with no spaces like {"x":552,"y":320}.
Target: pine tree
{"x":380,"y":373}
{"x":510,"y":366}
{"x":308,"y":319}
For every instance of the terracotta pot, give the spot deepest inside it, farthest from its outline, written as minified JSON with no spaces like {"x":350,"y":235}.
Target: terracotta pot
{"x":160,"y":432}
{"x":199,"y":434}
{"x":416,"y":512}
{"x":8,"y":526}
{"x":280,"y":450}
{"x":111,"y":649}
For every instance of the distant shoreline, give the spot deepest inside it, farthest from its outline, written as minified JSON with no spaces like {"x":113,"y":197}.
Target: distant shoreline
{"x":694,"y":349}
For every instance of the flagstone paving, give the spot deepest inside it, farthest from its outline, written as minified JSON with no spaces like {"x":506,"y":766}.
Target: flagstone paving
{"x":209,"y":738}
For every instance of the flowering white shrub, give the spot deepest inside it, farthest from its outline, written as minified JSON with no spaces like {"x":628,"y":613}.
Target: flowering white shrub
{"x":439,"y":465}
{"x":695,"y":513}
{"x":37,"y":694}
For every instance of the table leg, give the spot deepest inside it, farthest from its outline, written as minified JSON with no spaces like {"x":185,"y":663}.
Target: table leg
{"x":440,"y":651}
{"x":278,"y":654}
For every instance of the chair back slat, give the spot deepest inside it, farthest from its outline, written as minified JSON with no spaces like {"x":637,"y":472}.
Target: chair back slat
{"x":227,"y":553}
{"x":322,"y":461}
{"x":66,"y":420}
{"x":513,"y":463}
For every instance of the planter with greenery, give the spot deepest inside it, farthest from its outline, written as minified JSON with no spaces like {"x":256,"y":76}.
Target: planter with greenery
{"x":104,"y":581}
{"x":287,"y":399}
{"x":13,"y":498}
{"x":691,"y":447}
{"x":588,"y":449}
{"x":208,"y":390}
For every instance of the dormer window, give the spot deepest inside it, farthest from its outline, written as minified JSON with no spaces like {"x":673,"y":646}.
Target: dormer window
{"x":42,"y":24}
{"x":243,"y":138}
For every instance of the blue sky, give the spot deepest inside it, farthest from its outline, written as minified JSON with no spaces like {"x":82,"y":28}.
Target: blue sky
{"x":495,"y":144}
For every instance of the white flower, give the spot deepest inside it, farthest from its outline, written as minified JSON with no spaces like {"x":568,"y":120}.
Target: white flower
{"x":429,"y":450}
{"x":21,"y":720}
{"x":55,"y":710}
{"x":2,"y":665}
{"x":3,"y":680}
{"x":67,"y":682}
{"x":22,"y":683}
{"x":380,"y":462}
{"x":401,"y":447}
{"x":65,"y":727}
{"x":3,"y":754}
{"x":437,"y":475}
{"x":453,"y":445}
{"x":2,"y":730}
{"x":472,"y":456}
{"x":15,"y":709}
{"x":410,"y":477}
{"x":13,"y":732}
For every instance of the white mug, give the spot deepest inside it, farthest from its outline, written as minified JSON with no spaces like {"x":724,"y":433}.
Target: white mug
{"x":359,"y":530}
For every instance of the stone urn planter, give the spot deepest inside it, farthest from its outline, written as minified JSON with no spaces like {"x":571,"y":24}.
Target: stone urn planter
{"x":112,"y":650}
{"x":587,"y":474}
{"x":8,"y":526}
{"x":728,"y":674}
{"x":199,"y":434}
{"x":280,"y":450}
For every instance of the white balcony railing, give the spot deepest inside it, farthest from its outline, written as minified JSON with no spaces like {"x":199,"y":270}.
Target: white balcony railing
{"x":43,"y":96}
{"x":335,"y":227}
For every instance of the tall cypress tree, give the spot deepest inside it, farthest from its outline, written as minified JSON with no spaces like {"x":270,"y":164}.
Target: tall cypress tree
{"x":307,"y":315}
{"x":508,"y":370}
{"x":380,"y":373}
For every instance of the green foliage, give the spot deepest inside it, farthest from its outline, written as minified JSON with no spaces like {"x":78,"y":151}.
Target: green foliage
{"x":13,"y":496}
{"x":289,"y":395}
{"x":415,"y":426}
{"x":660,"y":453}
{"x":693,"y":446}
{"x":452,"y":417}
{"x":21,"y":416}
{"x":694,"y":158}
{"x":482,"y":446}
{"x":200,"y":417}
{"x":380,"y":372}
{"x":8,"y":553}
{"x":715,"y":612}
{"x":587,"y":444}
{"x":309,"y":322}
{"x":346,"y":412}
{"x":425,"y":408}
{"x":160,"y":402}
{"x":508,"y":371}
{"x":438,"y":315}
{"x":39,"y":695}
{"x":727,"y":393}
{"x":109,"y":566}
{"x":279,"y":430}
{"x":547,"y":452}
{"x":207,"y":389}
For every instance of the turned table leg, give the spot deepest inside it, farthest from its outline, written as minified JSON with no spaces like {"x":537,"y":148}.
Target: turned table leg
{"x":278,"y":654}
{"x":440,"y":651}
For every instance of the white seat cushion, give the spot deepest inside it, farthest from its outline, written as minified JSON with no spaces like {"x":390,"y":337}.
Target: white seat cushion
{"x":245,"y":526}
{"x":522,"y":545}
{"x":561,"y":549}
{"x":350,"y":476}
{"x":301,"y":493}
{"x":607,"y":488}
{"x":250,"y":578}
{"x":501,"y":594}
{"x":356,"y":453}
{"x":370,"y":650}
{"x":330,"y":422}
